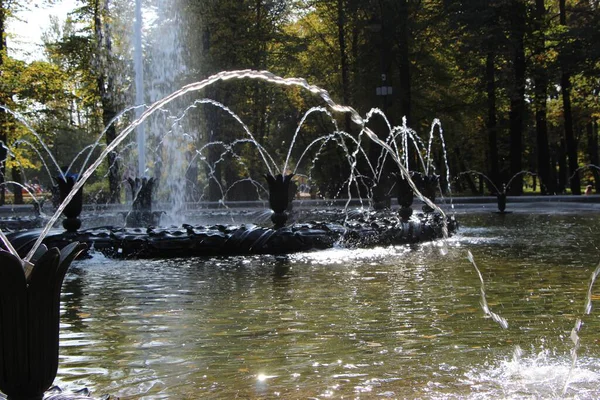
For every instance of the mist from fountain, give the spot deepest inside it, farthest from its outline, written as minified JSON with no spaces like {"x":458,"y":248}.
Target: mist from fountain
{"x":159,"y":66}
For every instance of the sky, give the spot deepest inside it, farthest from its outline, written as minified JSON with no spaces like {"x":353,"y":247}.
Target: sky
{"x":26,"y":29}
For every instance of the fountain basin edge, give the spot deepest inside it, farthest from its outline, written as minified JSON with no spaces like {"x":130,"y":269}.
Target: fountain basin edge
{"x":370,"y":229}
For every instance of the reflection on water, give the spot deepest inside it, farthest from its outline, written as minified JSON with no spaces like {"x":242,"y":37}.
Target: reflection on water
{"x":397,"y":322}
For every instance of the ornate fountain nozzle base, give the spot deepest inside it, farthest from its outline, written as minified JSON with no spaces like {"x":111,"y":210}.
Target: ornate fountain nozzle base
{"x":405,"y":197}
{"x":279,"y":219}
{"x":71,"y":224}
{"x":141,"y":214}
{"x":72,"y":211}
{"x":405,"y":213}
{"x":281,"y":194}
{"x":501,"y":202}
{"x":427,"y":209}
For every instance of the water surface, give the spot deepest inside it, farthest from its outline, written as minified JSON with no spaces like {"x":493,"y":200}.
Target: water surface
{"x":395,"y":322}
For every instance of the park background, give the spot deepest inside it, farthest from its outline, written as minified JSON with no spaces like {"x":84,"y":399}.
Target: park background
{"x":514,"y":83}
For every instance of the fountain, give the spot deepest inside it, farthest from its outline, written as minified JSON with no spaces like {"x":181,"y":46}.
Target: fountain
{"x":29,"y":320}
{"x":144,"y":238}
{"x":362,"y":314}
{"x":141,"y":214}
{"x":387,"y":321}
{"x":499,"y":193}
{"x":346,"y":299}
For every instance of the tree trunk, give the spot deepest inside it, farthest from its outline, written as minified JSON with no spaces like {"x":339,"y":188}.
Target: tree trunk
{"x":105,"y":83}
{"x":491,"y":122}
{"x":341,"y":22}
{"x":213,"y":169}
{"x":463,"y":167}
{"x":565,"y":84}
{"x":540,"y":76}
{"x":517,"y":97}
{"x":404,"y":90}
{"x":17,"y":189}
{"x":404,"y":61}
{"x":562,"y":168}
{"x":592,"y":134}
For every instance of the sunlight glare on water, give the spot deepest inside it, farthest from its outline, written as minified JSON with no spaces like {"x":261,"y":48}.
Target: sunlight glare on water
{"x":541,"y":375}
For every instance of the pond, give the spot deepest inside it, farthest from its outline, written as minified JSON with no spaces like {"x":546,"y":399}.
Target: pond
{"x":395,"y":322}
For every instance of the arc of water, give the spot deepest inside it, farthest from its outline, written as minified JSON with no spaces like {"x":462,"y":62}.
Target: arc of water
{"x":228,"y":150}
{"x":225,"y":76}
{"x":416,"y":140}
{"x":333,"y":136}
{"x":389,"y":139}
{"x":437,"y":123}
{"x":590,"y":166}
{"x":324,"y":141}
{"x":353,"y":162}
{"x":484,"y":304}
{"x":518,"y":174}
{"x":428,"y":154}
{"x":405,"y":134}
{"x":267,"y":158}
{"x":297,"y":132}
{"x":211,"y":174}
{"x":264,"y":154}
{"x":35,"y":149}
{"x":22,"y":186}
{"x":441,"y":131}
{"x":29,"y":192}
{"x":103,"y":133}
{"x":22,"y":120}
{"x":259,"y":188}
{"x":12,"y":154}
{"x":481,"y":175}
{"x":90,"y":147}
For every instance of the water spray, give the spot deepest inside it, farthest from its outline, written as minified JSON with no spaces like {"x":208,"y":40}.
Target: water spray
{"x":578,"y":324}
{"x":484,"y":304}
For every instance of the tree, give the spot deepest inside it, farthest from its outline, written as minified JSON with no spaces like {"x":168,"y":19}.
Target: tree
{"x":517,"y":92}
{"x":540,"y":79}
{"x":106,"y":90}
{"x":565,"y":86}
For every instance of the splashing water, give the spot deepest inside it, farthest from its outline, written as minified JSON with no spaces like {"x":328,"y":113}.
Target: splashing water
{"x":578,"y":324}
{"x":484,"y":304}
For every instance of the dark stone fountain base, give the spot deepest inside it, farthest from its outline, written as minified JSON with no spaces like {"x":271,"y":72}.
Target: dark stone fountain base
{"x":364,"y":229}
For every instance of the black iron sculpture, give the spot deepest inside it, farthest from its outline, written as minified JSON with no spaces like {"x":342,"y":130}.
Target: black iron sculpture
{"x":72,"y":211}
{"x":141,"y":214}
{"x":501,"y":198}
{"x":281,"y":194}
{"x":381,"y":198}
{"x":405,"y":197}
{"x":427,"y":185}
{"x":357,"y":228}
{"x":29,"y":321}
